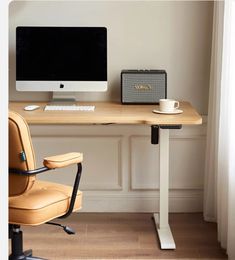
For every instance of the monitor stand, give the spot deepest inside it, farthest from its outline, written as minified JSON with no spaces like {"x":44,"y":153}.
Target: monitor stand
{"x":63,"y":98}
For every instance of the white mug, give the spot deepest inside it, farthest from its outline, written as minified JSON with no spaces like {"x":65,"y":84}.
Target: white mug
{"x":168,"y":105}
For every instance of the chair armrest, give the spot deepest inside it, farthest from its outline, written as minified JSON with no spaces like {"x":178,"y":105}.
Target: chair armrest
{"x":58,"y":162}
{"x":29,"y":172}
{"x":63,"y":160}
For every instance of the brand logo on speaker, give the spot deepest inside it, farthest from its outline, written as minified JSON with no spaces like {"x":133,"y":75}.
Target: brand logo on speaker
{"x":142,"y":87}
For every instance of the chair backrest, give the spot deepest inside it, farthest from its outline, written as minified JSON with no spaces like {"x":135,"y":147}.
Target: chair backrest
{"x":21,"y":154}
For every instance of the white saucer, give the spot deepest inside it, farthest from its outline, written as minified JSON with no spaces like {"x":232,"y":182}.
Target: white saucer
{"x":176,"y":111}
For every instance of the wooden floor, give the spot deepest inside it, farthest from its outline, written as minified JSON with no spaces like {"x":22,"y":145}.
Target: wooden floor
{"x":123,"y":236}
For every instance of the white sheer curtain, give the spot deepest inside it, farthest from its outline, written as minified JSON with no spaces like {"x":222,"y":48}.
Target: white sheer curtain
{"x":219,"y":195}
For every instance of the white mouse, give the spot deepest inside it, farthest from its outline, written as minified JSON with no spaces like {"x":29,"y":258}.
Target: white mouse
{"x":31,"y":107}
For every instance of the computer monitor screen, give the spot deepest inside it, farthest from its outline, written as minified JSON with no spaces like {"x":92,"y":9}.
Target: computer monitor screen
{"x":61,"y":58}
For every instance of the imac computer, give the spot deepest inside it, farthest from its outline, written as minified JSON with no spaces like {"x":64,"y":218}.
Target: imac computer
{"x":61,"y":59}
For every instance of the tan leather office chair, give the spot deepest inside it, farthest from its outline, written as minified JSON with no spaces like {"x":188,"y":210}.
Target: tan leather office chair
{"x":33,"y":202}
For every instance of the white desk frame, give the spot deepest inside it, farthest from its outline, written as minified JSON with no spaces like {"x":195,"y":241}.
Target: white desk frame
{"x":161,"y":219}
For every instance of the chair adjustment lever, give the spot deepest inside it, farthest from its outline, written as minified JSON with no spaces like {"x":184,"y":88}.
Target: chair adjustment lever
{"x":67,"y":229}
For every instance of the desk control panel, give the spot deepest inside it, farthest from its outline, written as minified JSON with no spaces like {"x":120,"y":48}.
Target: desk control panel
{"x":155,"y":131}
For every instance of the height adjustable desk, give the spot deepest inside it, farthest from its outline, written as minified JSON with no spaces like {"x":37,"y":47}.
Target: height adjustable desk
{"x":116,"y":113}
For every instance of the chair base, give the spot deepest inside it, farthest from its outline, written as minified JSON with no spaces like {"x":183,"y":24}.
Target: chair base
{"x":27,"y":255}
{"x":16,"y":237}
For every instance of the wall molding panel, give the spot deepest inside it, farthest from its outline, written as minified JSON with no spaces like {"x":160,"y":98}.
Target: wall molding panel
{"x":120,"y":169}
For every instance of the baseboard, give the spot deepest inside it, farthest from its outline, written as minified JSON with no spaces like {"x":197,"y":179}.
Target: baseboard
{"x":179,"y":201}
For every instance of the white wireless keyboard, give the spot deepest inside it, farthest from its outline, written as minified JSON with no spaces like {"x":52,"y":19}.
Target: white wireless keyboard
{"x":69,"y":108}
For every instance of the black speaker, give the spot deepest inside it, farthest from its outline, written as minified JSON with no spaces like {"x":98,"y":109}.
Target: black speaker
{"x":143,"y":86}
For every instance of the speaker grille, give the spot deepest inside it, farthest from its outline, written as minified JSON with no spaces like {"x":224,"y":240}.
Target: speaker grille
{"x":141,"y":87}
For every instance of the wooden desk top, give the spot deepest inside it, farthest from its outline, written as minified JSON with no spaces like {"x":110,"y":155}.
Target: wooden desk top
{"x":107,"y":113}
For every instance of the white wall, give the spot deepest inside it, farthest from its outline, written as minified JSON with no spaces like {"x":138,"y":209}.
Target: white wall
{"x":120,"y":166}
{"x":175,"y":36}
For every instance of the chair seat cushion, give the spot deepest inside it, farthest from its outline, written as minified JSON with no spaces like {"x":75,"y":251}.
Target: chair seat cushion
{"x":43,"y":202}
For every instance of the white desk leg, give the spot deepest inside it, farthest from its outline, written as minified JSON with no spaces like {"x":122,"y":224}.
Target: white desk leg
{"x":161,"y":219}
